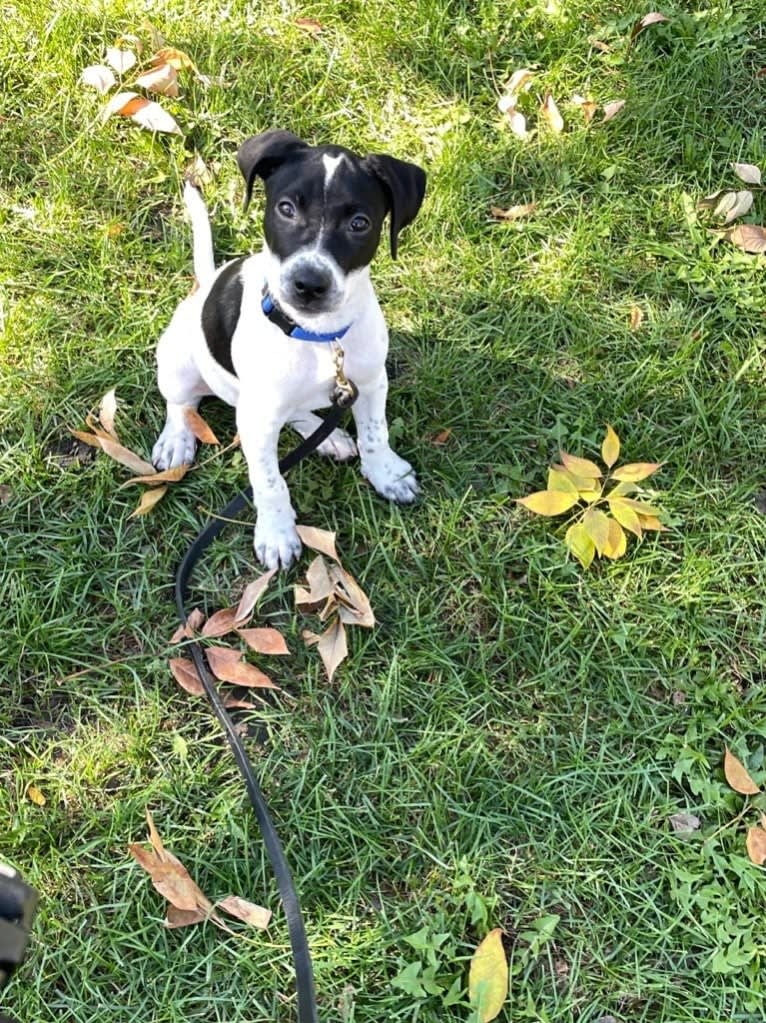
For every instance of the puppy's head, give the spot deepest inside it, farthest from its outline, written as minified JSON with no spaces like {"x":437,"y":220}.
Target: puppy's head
{"x":325,"y":208}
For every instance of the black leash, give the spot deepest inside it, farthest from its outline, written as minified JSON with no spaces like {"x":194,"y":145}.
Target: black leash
{"x":304,"y":974}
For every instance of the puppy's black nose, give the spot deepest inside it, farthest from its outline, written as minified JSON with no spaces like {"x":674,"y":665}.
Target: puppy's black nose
{"x":310,"y":283}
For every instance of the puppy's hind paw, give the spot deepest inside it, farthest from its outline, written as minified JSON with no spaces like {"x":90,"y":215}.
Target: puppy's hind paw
{"x":339,"y":445}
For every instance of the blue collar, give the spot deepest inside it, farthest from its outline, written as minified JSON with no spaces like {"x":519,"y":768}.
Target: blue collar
{"x":272,"y":312}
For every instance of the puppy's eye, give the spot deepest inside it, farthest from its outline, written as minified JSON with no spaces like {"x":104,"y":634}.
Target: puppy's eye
{"x":359,"y":223}
{"x":286,"y":208}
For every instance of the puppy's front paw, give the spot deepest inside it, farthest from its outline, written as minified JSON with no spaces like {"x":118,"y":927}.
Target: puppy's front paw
{"x":392,"y":477}
{"x":175,"y":446}
{"x":276,"y":546}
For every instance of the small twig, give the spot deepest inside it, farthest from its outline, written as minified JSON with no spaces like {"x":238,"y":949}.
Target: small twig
{"x":729,"y":824}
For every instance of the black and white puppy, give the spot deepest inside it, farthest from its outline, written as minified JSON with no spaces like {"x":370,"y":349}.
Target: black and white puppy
{"x":259,"y":333}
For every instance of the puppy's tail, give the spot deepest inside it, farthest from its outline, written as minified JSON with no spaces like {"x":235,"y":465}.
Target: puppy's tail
{"x":202,"y":238}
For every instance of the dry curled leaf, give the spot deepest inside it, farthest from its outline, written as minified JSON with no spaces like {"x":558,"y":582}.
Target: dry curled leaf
{"x":653,"y":18}
{"x":34,"y":795}
{"x":309,"y":25}
{"x":440,"y":438}
{"x":587,"y":106}
{"x":636,"y":317}
{"x":488,"y":977}
{"x":187,"y":630}
{"x":154,"y":479}
{"x":756,"y":845}
{"x":221,"y":623}
{"x":250,"y":596}
{"x":747,"y":172}
{"x":265,"y":641}
{"x":148,"y":500}
{"x":169,"y":876}
{"x":177,"y":59}
{"x":517,"y":123}
{"x":612,"y":109}
{"x":251,"y":914}
{"x":737,"y":775}
{"x":184,"y":671}
{"x":199,"y":427}
{"x":550,"y":113}
{"x":748,"y":237}
{"x":107,"y":410}
{"x":321,"y":540}
{"x":228,"y":666}
{"x":332,"y":647}
{"x":120,"y":60}
{"x":161,"y":80}
{"x":353,"y":603}
{"x":513,"y":212}
{"x":519,"y":82}
{"x":98,"y":77}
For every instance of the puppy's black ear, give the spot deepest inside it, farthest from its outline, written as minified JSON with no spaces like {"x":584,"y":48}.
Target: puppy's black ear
{"x":260,"y":155}
{"x":404,"y":184}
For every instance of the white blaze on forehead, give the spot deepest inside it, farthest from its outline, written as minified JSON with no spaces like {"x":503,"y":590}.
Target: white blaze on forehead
{"x":330,"y":166}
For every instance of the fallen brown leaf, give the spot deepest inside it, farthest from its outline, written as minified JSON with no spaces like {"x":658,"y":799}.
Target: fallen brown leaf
{"x":756,"y":845}
{"x":184,"y":672}
{"x":175,"y":918}
{"x":233,"y":703}
{"x":512,"y":213}
{"x":612,"y":109}
{"x":186,"y":631}
{"x":653,"y":18}
{"x":162,"y":80}
{"x":320,"y":585}
{"x":747,"y":172}
{"x":149,"y":499}
{"x":636,"y":317}
{"x":251,"y":914}
{"x":550,"y":113}
{"x":228,"y":666}
{"x":517,"y":123}
{"x":587,"y":106}
{"x":120,"y":60}
{"x":332,"y":647}
{"x":748,"y":237}
{"x":116,"y":451}
{"x":34,"y":795}
{"x":319,"y":540}
{"x":221,"y":623}
{"x":169,"y":876}
{"x":252,"y":592}
{"x":309,"y":25}
{"x":737,"y":776}
{"x":602,"y":47}
{"x":177,"y":59}
{"x":98,"y":77}
{"x":265,"y":641}
{"x":440,"y":439}
{"x":154,"y":479}
{"x":351,"y":597}
{"x":199,"y":427}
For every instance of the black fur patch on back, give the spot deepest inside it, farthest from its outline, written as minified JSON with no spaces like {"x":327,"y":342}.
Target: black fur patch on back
{"x":220,"y":313}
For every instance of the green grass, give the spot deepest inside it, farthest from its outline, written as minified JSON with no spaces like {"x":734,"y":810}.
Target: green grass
{"x":506,"y":747}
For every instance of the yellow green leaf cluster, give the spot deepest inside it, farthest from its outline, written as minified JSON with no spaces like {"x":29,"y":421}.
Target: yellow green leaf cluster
{"x":601,"y":500}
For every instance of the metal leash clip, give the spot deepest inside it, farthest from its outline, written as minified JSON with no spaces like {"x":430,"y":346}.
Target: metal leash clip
{"x":344,"y":392}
